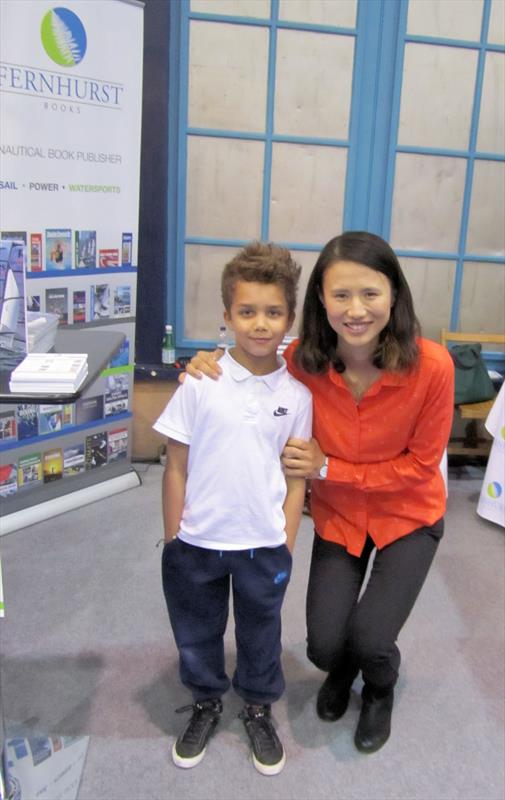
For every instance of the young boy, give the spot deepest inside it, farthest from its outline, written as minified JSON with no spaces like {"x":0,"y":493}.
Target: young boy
{"x":230,"y":515}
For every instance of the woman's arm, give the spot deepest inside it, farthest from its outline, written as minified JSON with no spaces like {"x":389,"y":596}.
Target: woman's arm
{"x":293,"y":507}
{"x":174,"y":486}
{"x":204,"y":363}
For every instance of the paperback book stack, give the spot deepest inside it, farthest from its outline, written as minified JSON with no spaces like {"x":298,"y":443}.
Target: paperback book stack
{"x":50,"y":373}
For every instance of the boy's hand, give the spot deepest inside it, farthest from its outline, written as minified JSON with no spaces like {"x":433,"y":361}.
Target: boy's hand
{"x":204,"y":363}
{"x":302,"y":458}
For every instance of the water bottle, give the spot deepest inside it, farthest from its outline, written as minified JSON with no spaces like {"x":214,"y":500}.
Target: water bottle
{"x":167,"y":347}
{"x":222,"y":340}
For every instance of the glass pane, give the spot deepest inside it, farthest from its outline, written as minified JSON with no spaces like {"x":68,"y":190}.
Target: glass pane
{"x":228,"y":67}
{"x":319,"y":12}
{"x":496,"y":33}
{"x":450,"y":19}
{"x":491,"y":136}
{"x":432,"y":285}
{"x":307,"y":192}
{"x":235,"y":8}
{"x":482,"y":293}
{"x":203,"y":307}
{"x":307,"y":260}
{"x":427,"y":202}
{"x":224,"y":188}
{"x":486,"y":229}
{"x":313,"y":84}
{"x":437,"y":96}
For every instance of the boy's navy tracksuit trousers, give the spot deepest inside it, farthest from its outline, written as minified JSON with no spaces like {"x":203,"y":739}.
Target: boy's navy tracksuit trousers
{"x":196,"y":584}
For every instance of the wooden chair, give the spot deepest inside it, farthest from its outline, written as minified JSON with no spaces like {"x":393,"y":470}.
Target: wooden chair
{"x":472,"y":443}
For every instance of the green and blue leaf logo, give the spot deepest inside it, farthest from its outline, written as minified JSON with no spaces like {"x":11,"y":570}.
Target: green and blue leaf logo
{"x":63,"y":36}
{"x":494,"y":490}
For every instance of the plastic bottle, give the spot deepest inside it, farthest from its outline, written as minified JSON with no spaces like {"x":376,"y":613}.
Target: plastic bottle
{"x":222,"y":341}
{"x":167,"y":347}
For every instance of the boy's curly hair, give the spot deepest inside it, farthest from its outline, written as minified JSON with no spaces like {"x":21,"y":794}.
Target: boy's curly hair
{"x":262,"y":262}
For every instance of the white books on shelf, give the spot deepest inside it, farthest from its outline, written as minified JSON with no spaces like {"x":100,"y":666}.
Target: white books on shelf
{"x":55,"y":373}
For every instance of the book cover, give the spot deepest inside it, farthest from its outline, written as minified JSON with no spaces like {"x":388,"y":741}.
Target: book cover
{"x":27,"y":421}
{"x":15,"y":236}
{"x":79,"y":306}
{"x":126,"y":249}
{"x":33,"y":303}
{"x":73,"y":460}
{"x":52,"y":462}
{"x":122,"y":356}
{"x":108,"y":257}
{"x":118,"y":444}
{"x":47,"y":368}
{"x":99,"y":301}
{"x":57,"y":303}
{"x":85,"y":249}
{"x":89,"y":409}
{"x":116,"y":394}
{"x":29,"y":470}
{"x":122,"y":301}
{"x":58,"y":249}
{"x":35,"y":252}
{"x":8,"y":426}
{"x":50,"y":419}
{"x":96,"y":450}
{"x":8,"y":479}
{"x":67,"y":415}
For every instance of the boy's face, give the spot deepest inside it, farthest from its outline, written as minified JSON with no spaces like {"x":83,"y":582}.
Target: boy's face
{"x":259,"y":318}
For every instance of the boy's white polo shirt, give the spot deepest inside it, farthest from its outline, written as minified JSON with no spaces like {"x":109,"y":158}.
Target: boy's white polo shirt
{"x":236,"y":428}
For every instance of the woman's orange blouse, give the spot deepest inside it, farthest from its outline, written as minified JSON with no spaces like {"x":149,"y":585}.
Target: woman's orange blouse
{"x":384,"y":452}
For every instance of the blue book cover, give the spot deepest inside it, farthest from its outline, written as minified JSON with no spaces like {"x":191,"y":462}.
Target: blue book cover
{"x":126,"y":250}
{"x":85,"y":249}
{"x":122,"y":357}
{"x":27,"y":419}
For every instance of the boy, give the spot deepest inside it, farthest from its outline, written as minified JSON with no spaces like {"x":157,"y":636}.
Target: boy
{"x":229,"y":512}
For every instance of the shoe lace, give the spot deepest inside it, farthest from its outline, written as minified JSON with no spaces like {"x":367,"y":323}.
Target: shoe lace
{"x":202,"y":713}
{"x":258,"y":717}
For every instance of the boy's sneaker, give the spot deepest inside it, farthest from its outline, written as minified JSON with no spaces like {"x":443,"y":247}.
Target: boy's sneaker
{"x":267,"y":751}
{"x":189,"y":749}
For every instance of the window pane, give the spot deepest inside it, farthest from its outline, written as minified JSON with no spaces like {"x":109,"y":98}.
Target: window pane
{"x":437,"y":96}
{"x":482,"y":293}
{"x":307,"y":192}
{"x":236,"y":8}
{"x":491,"y":136}
{"x":427,"y":202}
{"x":486,"y":229}
{"x":496,"y":34}
{"x":313,"y":84}
{"x":319,"y":12}
{"x":307,"y":260}
{"x":224,"y":188}
{"x":450,"y":19}
{"x":228,"y":67}
{"x":431,"y":283}
{"x":203,"y":311}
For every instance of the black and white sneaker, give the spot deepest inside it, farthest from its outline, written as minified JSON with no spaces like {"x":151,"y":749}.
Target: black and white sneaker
{"x":267,"y":751}
{"x":189,"y":749}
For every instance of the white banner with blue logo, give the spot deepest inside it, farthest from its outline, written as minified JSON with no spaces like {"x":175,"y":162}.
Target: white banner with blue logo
{"x":492,"y":496}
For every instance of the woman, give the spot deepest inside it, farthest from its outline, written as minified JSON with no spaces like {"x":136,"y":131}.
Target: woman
{"x":383,"y":404}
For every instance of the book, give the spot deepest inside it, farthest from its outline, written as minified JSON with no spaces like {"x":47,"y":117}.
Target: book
{"x":122,"y":301}
{"x":122,"y":356}
{"x":8,"y":426}
{"x":108,"y":257}
{"x":29,"y":470}
{"x":67,"y":415}
{"x":8,"y":479}
{"x":79,"y":306}
{"x":52,"y":461}
{"x":118,"y":444}
{"x":33,"y":303}
{"x":50,"y":372}
{"x":27,"y":420}
{"x":89,"y":409}
{"x":73,"y":460}
{"x":96,"y":450}
{"x":116,"y":394}
{"x":85,"y":249}
{"x":126,"y":249}
{"x":57,"y":303}
{"x":99,"y":301}
{"x":58,"y":249}
{"x":35,"y":252}
{"x":50,"y":419}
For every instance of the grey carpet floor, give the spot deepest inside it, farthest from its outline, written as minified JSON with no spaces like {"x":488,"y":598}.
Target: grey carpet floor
{"x":87,"y":650}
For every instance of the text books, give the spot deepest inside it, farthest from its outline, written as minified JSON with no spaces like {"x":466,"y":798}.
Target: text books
{"x":54,"y":373}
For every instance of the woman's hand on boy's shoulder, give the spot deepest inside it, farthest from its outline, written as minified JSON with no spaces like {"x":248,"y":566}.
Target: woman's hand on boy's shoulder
{"x":203,"y":363}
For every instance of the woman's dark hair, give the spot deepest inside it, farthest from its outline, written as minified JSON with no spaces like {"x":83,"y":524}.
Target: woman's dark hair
{"x":397,"y":348}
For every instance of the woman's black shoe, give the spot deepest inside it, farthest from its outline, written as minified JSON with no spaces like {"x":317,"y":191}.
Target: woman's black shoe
{"x":374,"y":724}
{"x":333,"y":698}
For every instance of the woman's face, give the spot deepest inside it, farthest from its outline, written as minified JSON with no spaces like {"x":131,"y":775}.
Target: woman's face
{"x":358,"y":302}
